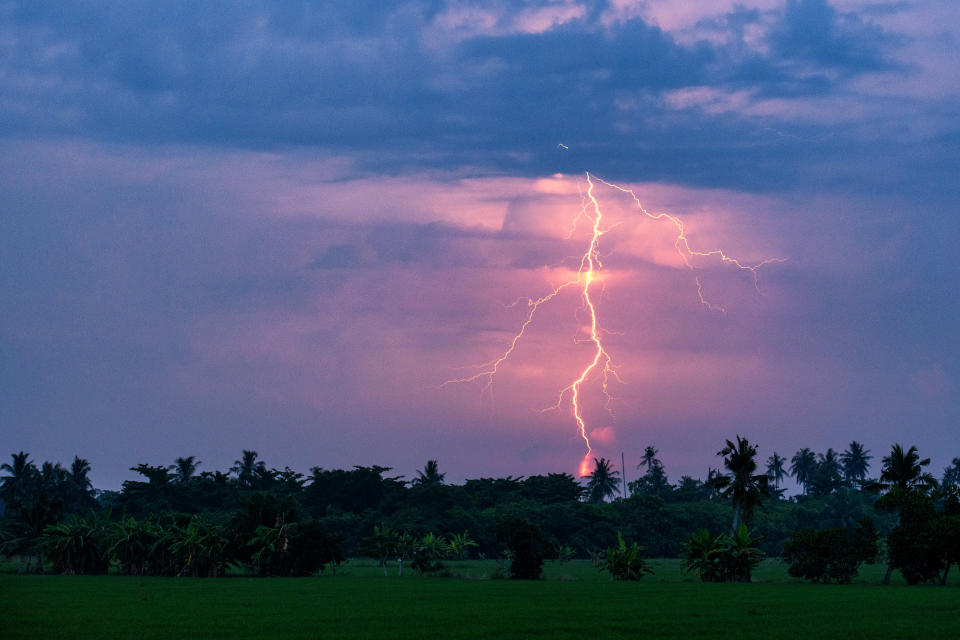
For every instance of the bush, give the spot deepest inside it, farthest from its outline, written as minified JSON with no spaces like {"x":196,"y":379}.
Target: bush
{"x":722,"y":558}
{"x":625,"y":562}
{"x":830,"y":555}
{"x":528,"y":547}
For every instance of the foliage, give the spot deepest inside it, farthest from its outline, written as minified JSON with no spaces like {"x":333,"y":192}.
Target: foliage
{"x":603,"y":482}
{"x":856,"y":463}
{"x":460,"y":545}
{"x":703,"y":553}
{"x":741,"y":485}
{"x":528,"y":547}
{"x":78,"y":545}
{"x":742,"y":555}
{"x":803,"y":466}
{"x":654,"y":480}
{"x":831,"y":555}
{"x":431,"y":550}
{"x":383,"y":544}
{"x":430,"y":475}
{"x":172,"y":521}
{"x":721,"y":557}
{"x":625,"y":562}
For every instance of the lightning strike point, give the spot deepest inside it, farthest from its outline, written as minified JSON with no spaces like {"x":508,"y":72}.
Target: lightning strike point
{"x":586,"y":466}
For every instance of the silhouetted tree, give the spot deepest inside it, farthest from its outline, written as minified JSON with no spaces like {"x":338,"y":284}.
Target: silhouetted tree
{"x":831,"y":554}
{"x":856,"y":463}
{"x":649,"y":458}
{"x":903,"y":470}
{"x":430,"y":475}
{"x":905,"y":487}
{"x":654,"y":481}
{"x":251,"y":473}
{"x":527,"y":545}
{"x":951,"y":474}
{"x":552,"y":488}
{"x":745,"y":488}
{"x":776,"y":469}
{"x":603,"y":482}
{"x":184,"y":469}
{"x":81,"y":493}
{"x":827,"y":478}
{"x":803,"y":466}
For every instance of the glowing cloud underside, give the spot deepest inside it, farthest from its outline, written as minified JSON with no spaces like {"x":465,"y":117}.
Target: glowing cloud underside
{"x":586,"y":275}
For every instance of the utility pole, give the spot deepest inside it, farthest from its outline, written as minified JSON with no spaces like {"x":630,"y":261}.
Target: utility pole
{"x":623,"y":474}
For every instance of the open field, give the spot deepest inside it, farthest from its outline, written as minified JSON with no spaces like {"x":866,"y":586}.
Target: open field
{"x":575,"y":602}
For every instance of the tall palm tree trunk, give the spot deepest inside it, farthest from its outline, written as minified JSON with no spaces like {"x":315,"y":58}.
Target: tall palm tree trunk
{"x":737,"y":517}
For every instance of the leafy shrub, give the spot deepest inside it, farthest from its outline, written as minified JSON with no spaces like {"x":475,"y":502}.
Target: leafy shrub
{"x":430,"y":551}
{"x":528,"y":547}
{"x":830,"y":555}
{"x":625,"y":562}
{"x":722,"y":558}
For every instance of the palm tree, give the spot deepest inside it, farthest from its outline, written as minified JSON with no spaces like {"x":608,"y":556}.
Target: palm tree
{"x":903,"y":471}
{"x":23,"y":472}
{"x":951,"y":474}
{"x":649,"y":458}
{"x":856,"y":463}
{"x":803,"y":466}
{"x":742,"y":485}
{"x":826,"y":479}
{"x":185,"y":468}
{"x":604,"y":481}
{"x":430,"y":475}
{"x":248,"y":469}
{"x":80,"y":492}
{"x":901,"y":478}
{"x":79,"y":470}
{"x":775,"y":469}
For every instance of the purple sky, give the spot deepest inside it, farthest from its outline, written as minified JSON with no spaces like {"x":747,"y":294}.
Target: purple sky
{"x":227,"y":227}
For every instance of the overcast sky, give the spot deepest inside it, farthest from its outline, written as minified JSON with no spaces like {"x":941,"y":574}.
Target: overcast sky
{"x":282,"y":226}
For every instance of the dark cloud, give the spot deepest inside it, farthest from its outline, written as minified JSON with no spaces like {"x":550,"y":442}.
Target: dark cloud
{"x":814,"y":32}
{"x":376,"y":83}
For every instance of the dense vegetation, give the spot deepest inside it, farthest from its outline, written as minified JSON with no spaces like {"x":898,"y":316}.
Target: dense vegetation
{"x":253,"y":519}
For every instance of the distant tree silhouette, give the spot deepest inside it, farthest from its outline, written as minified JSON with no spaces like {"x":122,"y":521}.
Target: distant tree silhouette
{"x":827,"y":478}
{"x":776,"y":469}
{"x":856,"y":463}
{"x":951,"y":474}
{"x":604,"y":481}
{"x":251,"y":473}
{"x":185,"y":468}
{"x":654,"y":480}
{"x":903,"y":470}
{"x":803,"y":466}
{"x":80,"y":494}
{"x":649,"y":458}
{"x":430,"y":475}
{"x":905,"y":487}
{"x":745,"y":488}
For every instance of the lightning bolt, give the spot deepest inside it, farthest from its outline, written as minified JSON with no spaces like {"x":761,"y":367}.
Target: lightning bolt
{"x":589,"y":266}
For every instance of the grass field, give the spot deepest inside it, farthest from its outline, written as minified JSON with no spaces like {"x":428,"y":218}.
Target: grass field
{"x":576,"y":601}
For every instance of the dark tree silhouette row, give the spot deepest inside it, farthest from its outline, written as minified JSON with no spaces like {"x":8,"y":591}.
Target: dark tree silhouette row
{"x":177,"y":520}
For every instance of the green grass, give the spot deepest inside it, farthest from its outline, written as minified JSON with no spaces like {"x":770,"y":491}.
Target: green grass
{"x":576,"y":601}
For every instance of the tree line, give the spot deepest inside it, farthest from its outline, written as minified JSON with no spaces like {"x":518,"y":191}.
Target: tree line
{"x":177,"y":520}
